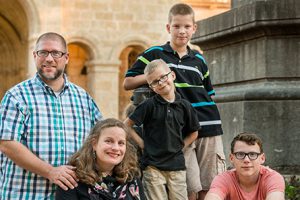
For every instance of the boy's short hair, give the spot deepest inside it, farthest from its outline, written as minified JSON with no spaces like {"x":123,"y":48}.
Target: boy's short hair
{"x":181,"y":9}
{"x":153,"y":65}
{"x":248,"y":138}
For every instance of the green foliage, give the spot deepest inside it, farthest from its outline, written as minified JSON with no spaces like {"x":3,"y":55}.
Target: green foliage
{"x":292,"y":189}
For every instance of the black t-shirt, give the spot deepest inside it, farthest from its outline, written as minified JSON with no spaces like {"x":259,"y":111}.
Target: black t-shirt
{"x":165,"y":126}
{"x":192,"y":83}
{"x":108,"y":189}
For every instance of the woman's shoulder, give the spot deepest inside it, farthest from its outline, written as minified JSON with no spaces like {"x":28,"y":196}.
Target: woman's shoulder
{"x":78,"y":193}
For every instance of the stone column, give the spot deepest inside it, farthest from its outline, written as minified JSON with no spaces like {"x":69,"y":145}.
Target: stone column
{"x":103,"y":85}
{"x":253,"y":53}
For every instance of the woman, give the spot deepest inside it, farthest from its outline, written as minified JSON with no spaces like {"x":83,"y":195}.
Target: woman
{"x":106,"y":166}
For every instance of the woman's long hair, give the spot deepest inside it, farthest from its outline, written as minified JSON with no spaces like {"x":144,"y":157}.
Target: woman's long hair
{"x":87,"y":170}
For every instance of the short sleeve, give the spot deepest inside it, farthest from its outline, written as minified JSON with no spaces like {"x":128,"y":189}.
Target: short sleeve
{"x":12,"y":118}
{"x":274,"y":182}
{"x":220,"y":185}
{"x":191,"y":119}
{"x":142,"y":60}
{"x":206,"y":76}
{"x":140,"y":113}
{"x":95,"y":112}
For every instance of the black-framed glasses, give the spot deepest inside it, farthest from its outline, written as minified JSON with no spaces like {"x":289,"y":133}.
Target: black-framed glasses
{"x":242,"y":155}
{"x":162,"y":79}
{"x":54,"y":54}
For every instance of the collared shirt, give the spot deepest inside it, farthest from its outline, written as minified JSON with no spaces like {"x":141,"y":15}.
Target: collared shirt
{"x":51,"y":126}
{"x":192,"y":82}
{"x":165,"y":126}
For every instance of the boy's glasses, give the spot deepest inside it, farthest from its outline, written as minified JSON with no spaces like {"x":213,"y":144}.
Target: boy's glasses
{"x":54,"y":54}
{"x":162,"y":79}
{"x":242,"y":155}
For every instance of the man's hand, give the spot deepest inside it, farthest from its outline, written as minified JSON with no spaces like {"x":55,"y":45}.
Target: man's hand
{"x":64,"y":176}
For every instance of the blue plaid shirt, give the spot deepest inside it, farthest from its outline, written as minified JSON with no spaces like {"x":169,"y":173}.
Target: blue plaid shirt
{"x":52,"y":127}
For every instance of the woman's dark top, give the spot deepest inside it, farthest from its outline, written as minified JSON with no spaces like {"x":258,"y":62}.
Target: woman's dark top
{"x":107,"y":189}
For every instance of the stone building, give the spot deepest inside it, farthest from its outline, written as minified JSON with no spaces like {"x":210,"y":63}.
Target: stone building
{"x":104,"y":37}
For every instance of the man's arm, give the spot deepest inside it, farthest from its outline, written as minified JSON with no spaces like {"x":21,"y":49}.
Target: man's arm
{"x":275,"y":196}
{"x":63,"y":176}
{"x":212,"y":196}
{"x":131,"y":83}
{"x":133,"y":134}
{"x":190,"y":138}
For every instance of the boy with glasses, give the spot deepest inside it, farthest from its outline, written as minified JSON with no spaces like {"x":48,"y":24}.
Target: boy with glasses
{"x":250,"y":180}
{"x":170,"y":125}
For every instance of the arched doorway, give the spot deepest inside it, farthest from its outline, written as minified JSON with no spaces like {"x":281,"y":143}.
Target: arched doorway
{"x":127,"y":57}
{"x":77,"y":69}
{"x":13,"y":44}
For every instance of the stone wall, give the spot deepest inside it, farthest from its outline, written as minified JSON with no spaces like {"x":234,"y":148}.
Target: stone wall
{"x":253,"y":53}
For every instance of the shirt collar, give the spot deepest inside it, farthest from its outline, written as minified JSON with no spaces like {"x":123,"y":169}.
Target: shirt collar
{"x":161,"y":100}
{"x":39,"y":81}
{"x":167,"y":47}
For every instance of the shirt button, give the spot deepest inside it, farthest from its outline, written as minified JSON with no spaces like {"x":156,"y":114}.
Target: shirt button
{"x":169,"y":111}
{"x":179,"y":61}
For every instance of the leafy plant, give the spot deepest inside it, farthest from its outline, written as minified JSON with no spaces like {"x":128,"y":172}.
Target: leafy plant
{"x":292,"y":189}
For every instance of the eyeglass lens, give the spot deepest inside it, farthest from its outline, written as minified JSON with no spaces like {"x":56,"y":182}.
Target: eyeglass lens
{"x":162,"y":80}
{"x":242,"y":155}
{"x":54,"y":54}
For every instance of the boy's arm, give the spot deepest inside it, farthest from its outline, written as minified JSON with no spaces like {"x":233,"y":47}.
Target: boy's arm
{"x":190,"y":138}
{"x":212,"y":196}
{"x":275,"y":196}
{"x":134,"y":82}
{"x":128,"y":122}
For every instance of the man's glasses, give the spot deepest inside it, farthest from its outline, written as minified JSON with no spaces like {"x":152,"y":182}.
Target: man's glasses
{"x":54,"y":54}
{"x":242,"y":155}
{"x":162,"y":79}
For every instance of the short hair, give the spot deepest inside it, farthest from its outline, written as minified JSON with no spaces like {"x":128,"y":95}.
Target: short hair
{"x":87,"y":170}
{"x":248,"y":138}
{"x":181,"y":9}
{"x":150,"y":67}
{"x":52,"y":36}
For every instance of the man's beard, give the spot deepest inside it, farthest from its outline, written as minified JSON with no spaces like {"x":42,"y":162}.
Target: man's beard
{"x":45,"y":76}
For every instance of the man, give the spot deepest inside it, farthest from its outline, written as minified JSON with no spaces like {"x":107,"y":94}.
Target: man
{"x":43,"y":121}
{"x":250,"y":179}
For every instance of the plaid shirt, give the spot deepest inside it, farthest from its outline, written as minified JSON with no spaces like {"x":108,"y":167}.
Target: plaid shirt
{"x":52,"y":126}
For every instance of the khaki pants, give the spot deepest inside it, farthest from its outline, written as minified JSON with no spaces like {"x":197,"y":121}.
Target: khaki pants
{"x":204,"y":160}
{"x":164,"y":185}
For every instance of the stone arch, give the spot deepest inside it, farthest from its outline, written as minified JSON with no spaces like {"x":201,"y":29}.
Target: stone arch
{"x":127,"y":57}
{"x":86,"y":44}
{"x":80,"y":54}
{"x":137,"y":40}
{"x":14,"y":32}
{"x":127,"y":51}
{"x":32,"y":14}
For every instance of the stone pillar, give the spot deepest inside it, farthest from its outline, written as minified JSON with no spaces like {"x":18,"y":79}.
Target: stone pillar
{"x":31,"y":70}
{"x":103,"y":85}
{"x":253,"y":53}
